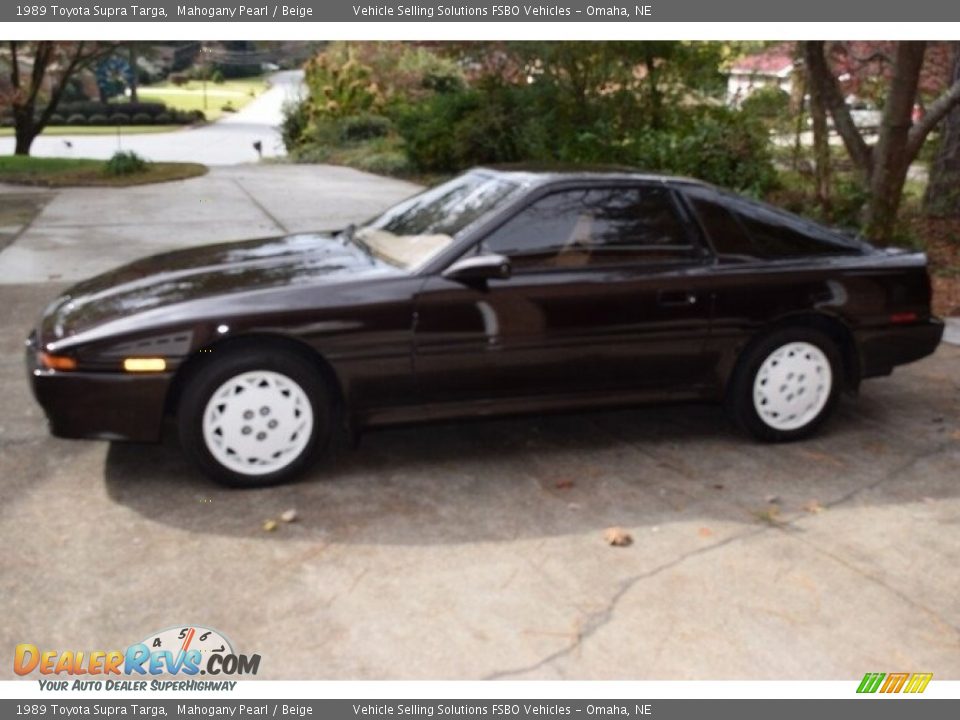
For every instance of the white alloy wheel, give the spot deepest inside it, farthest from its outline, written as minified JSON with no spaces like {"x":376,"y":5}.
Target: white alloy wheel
{"x":792,"y":386}
{"x":257,"y":422}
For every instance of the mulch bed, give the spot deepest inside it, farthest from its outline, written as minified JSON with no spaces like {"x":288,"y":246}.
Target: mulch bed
{"x":941,"y":238}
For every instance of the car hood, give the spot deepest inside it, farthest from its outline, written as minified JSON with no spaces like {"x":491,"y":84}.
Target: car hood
{"x":204,"y":272}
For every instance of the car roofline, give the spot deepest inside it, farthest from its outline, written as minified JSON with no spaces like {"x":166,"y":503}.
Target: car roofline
{"x":530,"y":178}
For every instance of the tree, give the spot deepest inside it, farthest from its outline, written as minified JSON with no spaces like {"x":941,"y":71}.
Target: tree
{"x":942,"y":197}
{"x":821,"y":136}
{"x":35,"y":94}
{"x":883,"y":167}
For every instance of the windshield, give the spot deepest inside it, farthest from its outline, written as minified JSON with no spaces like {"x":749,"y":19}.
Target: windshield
{"x":410,"y":234}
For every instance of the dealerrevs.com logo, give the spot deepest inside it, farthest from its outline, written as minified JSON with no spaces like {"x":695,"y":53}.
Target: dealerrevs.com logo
{"x":182,"y":650}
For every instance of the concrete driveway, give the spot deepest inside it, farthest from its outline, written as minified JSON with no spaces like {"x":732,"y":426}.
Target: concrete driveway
{"x":226,"y":142}
{"x":476,"y":549}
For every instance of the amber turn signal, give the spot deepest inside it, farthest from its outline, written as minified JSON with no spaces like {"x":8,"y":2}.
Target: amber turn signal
{"x":144,"y":364}
{"x":57,"y":362}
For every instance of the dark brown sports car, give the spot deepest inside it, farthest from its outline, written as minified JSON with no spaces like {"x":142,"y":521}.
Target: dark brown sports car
{"x":496,"y":292}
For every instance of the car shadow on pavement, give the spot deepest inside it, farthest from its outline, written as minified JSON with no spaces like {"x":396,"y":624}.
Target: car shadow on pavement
{"x":545,"y":476}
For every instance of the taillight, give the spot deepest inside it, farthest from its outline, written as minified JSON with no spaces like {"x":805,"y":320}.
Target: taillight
{"x":903,"y":318}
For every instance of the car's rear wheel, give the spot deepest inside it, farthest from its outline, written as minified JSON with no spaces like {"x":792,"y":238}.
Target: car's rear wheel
{"x":255,"y":418}
{"x":786,"y":384}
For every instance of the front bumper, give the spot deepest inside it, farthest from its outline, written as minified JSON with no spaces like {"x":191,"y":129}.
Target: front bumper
{"x":882,"y":349}
{"x":99,"y":405}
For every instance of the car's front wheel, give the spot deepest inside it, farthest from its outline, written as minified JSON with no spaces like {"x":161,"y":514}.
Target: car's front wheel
{"x":786,"y":384}
{"x":255,"y":418}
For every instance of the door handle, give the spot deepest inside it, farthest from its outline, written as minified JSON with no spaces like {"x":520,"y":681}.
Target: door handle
{"x":676,"y":298}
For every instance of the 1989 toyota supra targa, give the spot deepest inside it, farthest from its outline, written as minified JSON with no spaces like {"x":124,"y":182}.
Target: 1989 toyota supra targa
{"x":496,"y":292}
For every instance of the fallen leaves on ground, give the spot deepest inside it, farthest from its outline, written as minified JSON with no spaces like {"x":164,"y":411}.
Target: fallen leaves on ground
{"x":813,"y":507}
{"x":617,"y":537}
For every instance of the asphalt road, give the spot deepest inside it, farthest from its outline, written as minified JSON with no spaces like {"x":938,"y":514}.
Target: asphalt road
{"x":476,"y":549}
{"x":226,"y":142}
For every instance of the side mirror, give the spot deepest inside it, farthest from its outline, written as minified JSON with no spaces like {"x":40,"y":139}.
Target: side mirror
{"x":479,"y":267}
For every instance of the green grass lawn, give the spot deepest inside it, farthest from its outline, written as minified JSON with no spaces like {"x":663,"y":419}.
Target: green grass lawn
{"x":72,"y":172}
{"x":53,"y":130}
{"x":190,"y":96}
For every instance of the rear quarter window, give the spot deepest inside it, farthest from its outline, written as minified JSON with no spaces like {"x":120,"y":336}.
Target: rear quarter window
{"x":742,"y":228}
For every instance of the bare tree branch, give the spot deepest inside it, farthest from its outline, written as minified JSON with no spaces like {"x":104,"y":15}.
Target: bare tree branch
{"x":936,"y":112}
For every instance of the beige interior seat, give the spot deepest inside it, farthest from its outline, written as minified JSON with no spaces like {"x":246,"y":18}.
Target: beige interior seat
{"x":576,"y":250}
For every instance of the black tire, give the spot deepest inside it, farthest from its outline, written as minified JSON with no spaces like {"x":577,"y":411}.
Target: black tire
{"x":743,"y":399}
{"x":274,"y":364}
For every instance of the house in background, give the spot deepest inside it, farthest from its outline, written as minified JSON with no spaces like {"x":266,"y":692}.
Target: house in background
{"x":773,"y":67}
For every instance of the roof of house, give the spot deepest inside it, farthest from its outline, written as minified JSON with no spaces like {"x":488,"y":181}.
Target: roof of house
{"x":775,"y":60}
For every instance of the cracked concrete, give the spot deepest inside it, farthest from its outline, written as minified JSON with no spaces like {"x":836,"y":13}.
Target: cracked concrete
{"x":475,"y":549}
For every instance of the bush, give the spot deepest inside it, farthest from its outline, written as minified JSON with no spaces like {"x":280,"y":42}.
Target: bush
{"x":228,"y":107}
{"x":98,"y":120}
{"x":163,"y":118}
{"x":196,"y":116}
{"x":295,"y":119}
{"x":767,"y":102}
{"x":720,"y":146}
{"x":217,"y":76}
{"x":89,"y":109}
{"x":179,"y":79}
{"x":141,"y":119}
{"x":451,"y":131}
{"x":388,"y":162}
{"x":119,"y":119}
{"x":77,"y":119}
{"x":57,"y":119}
{"x":357,"y":128}
{"x":125,"y":163}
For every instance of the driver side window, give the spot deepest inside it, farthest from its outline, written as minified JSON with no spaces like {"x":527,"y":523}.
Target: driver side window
{"x":593,"y":227}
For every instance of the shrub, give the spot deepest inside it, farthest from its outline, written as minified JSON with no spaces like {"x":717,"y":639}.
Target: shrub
{"x":76,"y":119}
{"x":228,"y":107}
{"x":340,"y":87}
{"x":119,"y":119}
{"x":98,"y":120}
{"x":295,"y":119}
{"x":125,"y":163}
{"x":767,"y":102}
{"x":720,"y":146}
{"x":141,"y":119}
{"x":388,"y":162}
{"x":179,"y":79}
{"x":89,"y":107}
{"x":196,"y":116}
{"x":57,"y":119}
{"x":364,"y":127}
{"x":217,"y":76}
{"x":490,"y":124}
{"x":163,"y":118}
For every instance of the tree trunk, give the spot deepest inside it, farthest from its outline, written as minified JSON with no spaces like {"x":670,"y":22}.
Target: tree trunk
{"x":820,"y":75}
{"x":942,"y":197}
{"x":800,"y":102}
{"x":821,"y":140}
{"x":891,"y":157}
{"x":133,"y":73}
{"x":24,"y":130}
